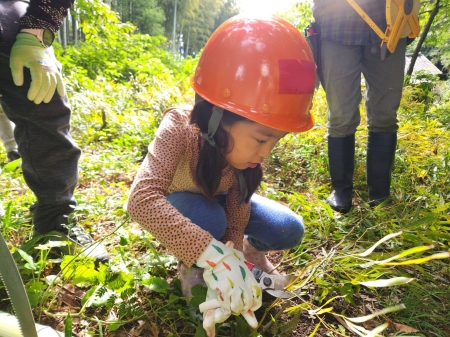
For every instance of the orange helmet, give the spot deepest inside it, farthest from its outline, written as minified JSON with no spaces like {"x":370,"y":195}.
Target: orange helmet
{"x":261,"y":69}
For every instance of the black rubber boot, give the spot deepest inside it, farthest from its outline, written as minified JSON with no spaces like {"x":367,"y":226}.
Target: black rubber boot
{"x":341,"y":157}
{"x":380,"y":161}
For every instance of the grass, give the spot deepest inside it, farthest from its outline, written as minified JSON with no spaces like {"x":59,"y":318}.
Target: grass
{"x":138,"y":292}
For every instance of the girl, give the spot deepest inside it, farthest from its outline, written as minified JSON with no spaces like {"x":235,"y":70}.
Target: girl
{"x":195,"y":189}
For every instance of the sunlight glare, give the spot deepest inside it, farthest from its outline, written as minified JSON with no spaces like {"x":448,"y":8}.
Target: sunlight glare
{"x":265,"y":7}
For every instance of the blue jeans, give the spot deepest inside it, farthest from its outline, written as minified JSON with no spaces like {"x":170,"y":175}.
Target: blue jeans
{"x":49,"y":154}
{"x":272,"y":226}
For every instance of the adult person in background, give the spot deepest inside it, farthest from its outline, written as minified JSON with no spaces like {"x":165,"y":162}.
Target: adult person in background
{"x":33,"y":97}
{"x":349,"y":48}
{"x":7,"y":137}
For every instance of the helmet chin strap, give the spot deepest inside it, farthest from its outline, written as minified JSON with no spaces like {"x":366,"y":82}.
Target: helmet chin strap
{"x":243,"y":191}
{"x":213,"y":124}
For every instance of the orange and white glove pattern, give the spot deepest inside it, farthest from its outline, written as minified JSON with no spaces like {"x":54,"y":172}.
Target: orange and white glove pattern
{"x":232,"y":288}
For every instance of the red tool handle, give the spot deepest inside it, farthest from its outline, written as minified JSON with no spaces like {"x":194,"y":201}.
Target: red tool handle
{"x":257,"y":273}
{"x":249,"y":265}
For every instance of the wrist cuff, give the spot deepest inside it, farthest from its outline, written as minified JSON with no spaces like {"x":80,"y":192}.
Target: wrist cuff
{"x":44,"y":36}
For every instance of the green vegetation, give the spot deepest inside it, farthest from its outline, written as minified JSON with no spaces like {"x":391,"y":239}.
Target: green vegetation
{"x":119,"y":83}
{"x":187,"y":24}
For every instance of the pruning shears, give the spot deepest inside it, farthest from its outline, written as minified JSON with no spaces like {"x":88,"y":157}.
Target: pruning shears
{"x":272,"y":284}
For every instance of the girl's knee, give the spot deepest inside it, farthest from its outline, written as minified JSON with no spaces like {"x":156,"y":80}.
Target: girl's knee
{"x":217,"y":231}
{"x":203,"y":212}
{"x":295,"y":232}
{"x":274,"y":225}
{"x":290,"y":234}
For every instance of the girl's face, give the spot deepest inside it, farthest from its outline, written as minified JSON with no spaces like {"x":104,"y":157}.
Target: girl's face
{"x":250,"y":143}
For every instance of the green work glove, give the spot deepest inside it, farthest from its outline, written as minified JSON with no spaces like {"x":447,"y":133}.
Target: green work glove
{"x":28,"y":52}
{"x":232,"y":288}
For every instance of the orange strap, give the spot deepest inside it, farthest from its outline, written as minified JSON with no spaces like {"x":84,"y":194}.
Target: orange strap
{"x":394,"y":30}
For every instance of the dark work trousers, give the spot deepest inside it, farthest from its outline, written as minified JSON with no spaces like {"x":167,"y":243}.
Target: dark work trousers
{"x":341,"y":69}
{"x":49,"y":154}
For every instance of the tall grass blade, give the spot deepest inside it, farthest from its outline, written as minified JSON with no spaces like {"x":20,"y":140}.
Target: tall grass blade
{"x":376,"y":332}
{"x":407,"y":252}
{"x":380,"y":283}
{"x":379,"y":242}
{"x":313,"y":333}
{"x":384,"y":311}
{"x":419,"y":261}
{"x":68,"y":326}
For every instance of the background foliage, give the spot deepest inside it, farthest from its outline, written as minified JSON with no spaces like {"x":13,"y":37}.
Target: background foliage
{"x":186,"y":31}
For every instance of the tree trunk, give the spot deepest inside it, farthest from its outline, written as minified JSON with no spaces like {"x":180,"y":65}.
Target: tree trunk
{"x":186,"y":51}
{"x":174,"y":28}
{"x":130,"y":16}
{"x":75,"y":30}
{"x":423,"y":37}
{"x":62,"y":34}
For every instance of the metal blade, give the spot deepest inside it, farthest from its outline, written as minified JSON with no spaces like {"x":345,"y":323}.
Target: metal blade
{"x":279,"y":284}
{"x":16,"y":291}
{"x":280,"y":293}
{"x":282,"y":282}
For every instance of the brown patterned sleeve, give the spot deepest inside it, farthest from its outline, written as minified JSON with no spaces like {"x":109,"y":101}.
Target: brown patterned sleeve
{"x":147,"y":203}
{"x":46,"y":14}
{"x":237,"y":216}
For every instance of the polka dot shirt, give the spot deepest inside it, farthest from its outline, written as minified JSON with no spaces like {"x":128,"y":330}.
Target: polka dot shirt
{"x":170,"y":167}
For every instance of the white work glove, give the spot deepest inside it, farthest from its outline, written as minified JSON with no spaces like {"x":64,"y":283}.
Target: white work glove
{"x":232,"y":288}
{"x":28,"y":52}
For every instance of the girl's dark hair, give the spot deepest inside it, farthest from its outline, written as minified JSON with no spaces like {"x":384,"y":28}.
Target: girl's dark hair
{"x":211,"y":159}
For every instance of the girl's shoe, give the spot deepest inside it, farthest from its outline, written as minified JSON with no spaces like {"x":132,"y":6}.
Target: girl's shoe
{"x":258,"y":258}
{"x":190,"y":277}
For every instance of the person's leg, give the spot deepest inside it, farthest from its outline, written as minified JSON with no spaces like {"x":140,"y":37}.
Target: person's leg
{"x":272,"y":226}
{"x":205,"y":213}
{"x":384,"y":84}
{"x":380,"y":162}
{"x":340,"y":75}
{"x":202,"y":211}
{"x":7,"y":136}
{"x":341,"y":158}
{"x":49,"y":154}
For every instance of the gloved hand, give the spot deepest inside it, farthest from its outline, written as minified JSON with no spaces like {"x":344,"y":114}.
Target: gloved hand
{"x":28,"y":52}
{"x":232,"y":288}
